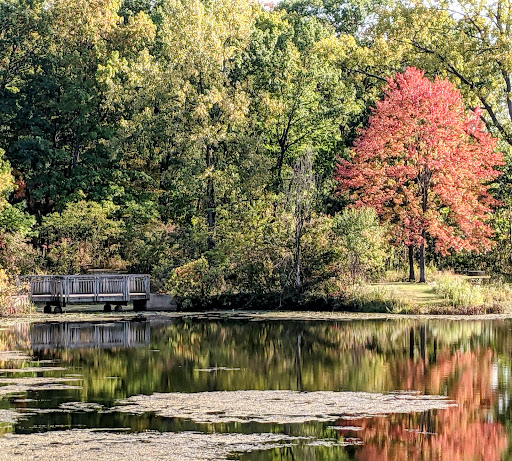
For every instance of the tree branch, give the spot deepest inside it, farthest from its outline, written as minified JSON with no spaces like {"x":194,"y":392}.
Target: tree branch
{"x":454,"y":71}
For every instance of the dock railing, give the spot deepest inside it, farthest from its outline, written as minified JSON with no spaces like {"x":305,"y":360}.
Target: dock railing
{"x":60,"y":290}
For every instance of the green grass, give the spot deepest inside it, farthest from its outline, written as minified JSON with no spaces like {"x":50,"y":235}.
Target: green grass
{"x":417,"y":294}
{"x":447,"y":293}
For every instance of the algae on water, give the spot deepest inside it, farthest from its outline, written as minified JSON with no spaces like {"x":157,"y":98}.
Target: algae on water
{"x":281,"y":407}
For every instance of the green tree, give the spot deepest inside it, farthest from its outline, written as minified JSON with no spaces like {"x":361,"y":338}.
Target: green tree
{"x":298,"y":98}
{"x":19,"y":42}
{"x":59,"y":137}
{"x":346,"y":17}
{"x":203,"y":110}
{"x":15,"y":225}
{"x":13,"y":219}
{"x":85,"y":234}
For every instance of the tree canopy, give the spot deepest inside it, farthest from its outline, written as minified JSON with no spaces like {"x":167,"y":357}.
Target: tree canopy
{"x":180,"y":126}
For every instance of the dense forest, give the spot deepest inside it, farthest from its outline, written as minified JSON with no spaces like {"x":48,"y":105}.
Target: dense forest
{"x":198,"y":140}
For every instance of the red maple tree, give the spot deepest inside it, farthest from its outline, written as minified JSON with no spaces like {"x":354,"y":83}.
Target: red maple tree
{"x":423,"y":163}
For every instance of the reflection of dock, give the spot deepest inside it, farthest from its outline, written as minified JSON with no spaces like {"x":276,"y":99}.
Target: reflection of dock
{"x":75,"y":335}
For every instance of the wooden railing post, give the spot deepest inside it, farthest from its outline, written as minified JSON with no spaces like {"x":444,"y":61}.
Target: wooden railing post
{"x":96,"y":287}
{"x":64,"y":289}
{"x":146,"y":283}
{"x":126,"y":288}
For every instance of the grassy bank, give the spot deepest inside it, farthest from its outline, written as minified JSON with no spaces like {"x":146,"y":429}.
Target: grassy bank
{"x":445,"y":293}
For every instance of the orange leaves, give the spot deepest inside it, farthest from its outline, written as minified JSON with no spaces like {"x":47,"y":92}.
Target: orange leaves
{"x":424,"y":164}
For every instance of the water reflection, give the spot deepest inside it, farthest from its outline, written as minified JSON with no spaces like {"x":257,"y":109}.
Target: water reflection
{"x":468,"y":361}
{"x":83,"y":335}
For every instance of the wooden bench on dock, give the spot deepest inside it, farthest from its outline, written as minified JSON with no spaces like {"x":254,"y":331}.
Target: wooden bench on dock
{"x":117,"y":289}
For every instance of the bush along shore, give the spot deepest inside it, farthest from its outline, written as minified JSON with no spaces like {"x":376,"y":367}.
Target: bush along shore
{"x":14,"y":299}
{"x":446,"y":293}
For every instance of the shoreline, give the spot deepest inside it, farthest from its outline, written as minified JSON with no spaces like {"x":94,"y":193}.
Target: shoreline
{"x":238,"y":315}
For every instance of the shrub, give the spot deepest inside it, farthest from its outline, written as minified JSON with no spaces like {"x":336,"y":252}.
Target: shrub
{"x":196,"y":278}
{"x":457,"y":291}
{"x":373,"y":298}
{"x":471,"y":298}
{"x":18,"y":256}
{"x":363,"y":242}
{"x":14,"y":299}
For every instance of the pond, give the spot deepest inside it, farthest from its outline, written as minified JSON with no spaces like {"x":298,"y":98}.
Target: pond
{"x":214,"y":388}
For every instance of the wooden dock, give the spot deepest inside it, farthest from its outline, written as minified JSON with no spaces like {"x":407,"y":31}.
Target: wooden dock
{"x":117,"y":289}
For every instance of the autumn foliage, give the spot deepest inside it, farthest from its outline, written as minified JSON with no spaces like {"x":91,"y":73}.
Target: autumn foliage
{"x":424,"y":164}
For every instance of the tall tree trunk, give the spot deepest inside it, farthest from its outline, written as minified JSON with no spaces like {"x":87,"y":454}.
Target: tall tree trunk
{"x":411,"y":343}
{"x":73,"y":161}
{"x":298,"y":281}
{"x":412,"y":277}
{"x":302,"y":189}
{"x":510,"y":225}
{"x":422,"y":259}
{"x":210,"y":200}
{"x":424,"y":183}
{"x":278,"y":181}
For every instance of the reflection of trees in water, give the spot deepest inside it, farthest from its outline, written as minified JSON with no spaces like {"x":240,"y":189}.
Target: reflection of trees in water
{"x":435,"y":357}
{"x":360,"y":356}
{"x":466,"y":432}
{"x":431,"y":357}
{"x":465,"y":373}
{"x":16,"y":337}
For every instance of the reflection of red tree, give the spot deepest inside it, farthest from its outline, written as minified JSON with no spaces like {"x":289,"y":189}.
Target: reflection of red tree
{"x":461,"y":433}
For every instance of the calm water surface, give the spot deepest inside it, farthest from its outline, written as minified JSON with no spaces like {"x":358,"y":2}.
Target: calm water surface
{"x":468,"y":361}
